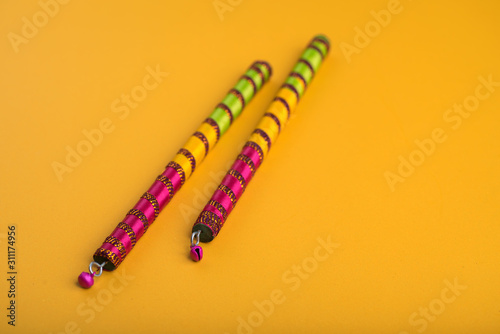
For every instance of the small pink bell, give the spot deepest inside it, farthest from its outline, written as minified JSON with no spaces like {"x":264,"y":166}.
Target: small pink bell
{"x":86,"y":280}
{"x":196,"y":253}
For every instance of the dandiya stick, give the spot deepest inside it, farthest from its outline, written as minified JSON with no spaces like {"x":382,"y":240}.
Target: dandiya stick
{"x":137,"y":221}
{"x":225,"y":197}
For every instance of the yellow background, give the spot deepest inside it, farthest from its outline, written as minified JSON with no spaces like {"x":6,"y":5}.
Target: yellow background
{"x":324,"y":177}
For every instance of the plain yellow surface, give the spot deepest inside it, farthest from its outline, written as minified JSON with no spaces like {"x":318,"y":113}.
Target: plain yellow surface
{"x":409,"y":251}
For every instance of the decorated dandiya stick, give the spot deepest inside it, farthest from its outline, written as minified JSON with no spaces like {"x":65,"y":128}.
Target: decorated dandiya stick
{"x":137,"y":221}
{"x":215,"y":213}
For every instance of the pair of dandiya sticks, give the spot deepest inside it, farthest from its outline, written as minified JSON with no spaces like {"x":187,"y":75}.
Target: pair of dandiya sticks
{"x":210,"y":221}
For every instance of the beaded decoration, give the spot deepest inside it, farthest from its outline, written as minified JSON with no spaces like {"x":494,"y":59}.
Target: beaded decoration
{"x":137,"y":221}
{"x":215,"y":213}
